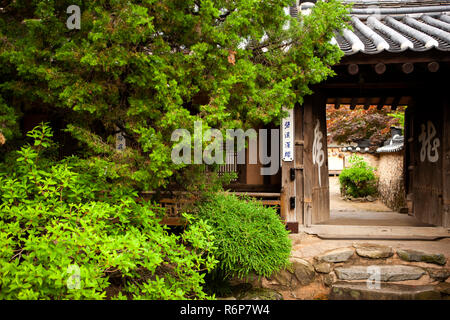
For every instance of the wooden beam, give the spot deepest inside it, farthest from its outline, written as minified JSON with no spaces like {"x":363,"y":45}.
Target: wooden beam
{"x":381,"y":103}
{"x":395,"y":102}
{"x":353,"y":69}
{"x":407,"y":68}
{"x":433,"y":66}
{"x":367,"y":103}
{"x":353,"y":104}
{"x":380,"y":68}
{"x":398,"y":57}
{"x":372,"y":85}
{"x":338,"y":103}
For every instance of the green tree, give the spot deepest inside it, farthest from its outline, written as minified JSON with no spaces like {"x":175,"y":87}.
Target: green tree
{"x":148,"y":67}
{"x":63,"y":237}
{"x":345,"y":125}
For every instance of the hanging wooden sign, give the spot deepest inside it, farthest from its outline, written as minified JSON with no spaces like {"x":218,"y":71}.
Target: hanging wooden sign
{"x":287,"y":127}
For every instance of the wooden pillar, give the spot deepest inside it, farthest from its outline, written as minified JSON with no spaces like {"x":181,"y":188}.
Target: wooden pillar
{"x":299,"y":168}
{"x":446,"y":164}
{"x":408,"y":162}
{"x":287,"y":198}
{"x":308,"y":128}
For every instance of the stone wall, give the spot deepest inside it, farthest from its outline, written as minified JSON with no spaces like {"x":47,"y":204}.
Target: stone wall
{"x":391,"y":182}
{"x":364,"y":271}
{"x":336,"y":155}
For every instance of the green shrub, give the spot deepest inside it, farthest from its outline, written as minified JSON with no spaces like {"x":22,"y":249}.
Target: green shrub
{"x":359,"y":180}
{"x":249,"y":237}
{"x":69,"y":234}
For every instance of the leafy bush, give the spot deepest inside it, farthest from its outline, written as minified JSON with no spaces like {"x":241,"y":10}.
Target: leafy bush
{"x":249,"y":237}
{"x":66,"y":233}
{"x":359,"y":180}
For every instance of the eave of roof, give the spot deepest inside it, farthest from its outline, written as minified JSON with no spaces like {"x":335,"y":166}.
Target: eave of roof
{"x":396,"y":26}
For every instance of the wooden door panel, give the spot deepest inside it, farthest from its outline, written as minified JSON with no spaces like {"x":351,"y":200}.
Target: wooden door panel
{"x":316,"y":186}
{"x":428,"y":161}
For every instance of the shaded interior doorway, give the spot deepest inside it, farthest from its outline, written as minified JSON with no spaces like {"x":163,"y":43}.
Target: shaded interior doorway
{"x":373,"y":213}
{"x":378,"y":211}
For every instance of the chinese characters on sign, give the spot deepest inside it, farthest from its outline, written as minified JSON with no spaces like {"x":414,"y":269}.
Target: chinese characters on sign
{"x":287,"y":127}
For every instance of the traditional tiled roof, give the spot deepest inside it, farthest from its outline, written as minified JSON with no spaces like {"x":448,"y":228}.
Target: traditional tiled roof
{"x":395,"y":26}
{"x":393,"y":144}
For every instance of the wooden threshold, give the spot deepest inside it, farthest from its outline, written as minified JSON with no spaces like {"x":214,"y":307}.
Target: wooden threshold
{"x":376,"y":232}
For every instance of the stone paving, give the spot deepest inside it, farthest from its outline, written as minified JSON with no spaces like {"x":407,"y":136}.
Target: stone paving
{"x":357,"y":270}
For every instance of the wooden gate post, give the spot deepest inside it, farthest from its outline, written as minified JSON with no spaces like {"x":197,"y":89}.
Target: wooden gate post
{"x":446,"y":164}
{"x":307,"y":159}
{"x":315,"y":160}
{"x":287,"y":150}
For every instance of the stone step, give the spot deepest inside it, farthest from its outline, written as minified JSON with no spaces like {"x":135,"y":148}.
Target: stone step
{"x":420,"y":256}
{"x":343,"y":290}
{"x":379,"y":272}
{"x":376,"y":232}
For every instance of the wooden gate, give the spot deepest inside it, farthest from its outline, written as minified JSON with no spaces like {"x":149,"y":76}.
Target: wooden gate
{"x":305,"y":197}
{"x":427,"y":158}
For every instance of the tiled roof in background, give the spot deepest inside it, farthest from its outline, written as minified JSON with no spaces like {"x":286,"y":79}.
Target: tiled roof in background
{"x":394,"y":26}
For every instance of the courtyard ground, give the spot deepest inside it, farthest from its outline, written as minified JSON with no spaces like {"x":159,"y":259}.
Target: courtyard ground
{"x":370,"y":213}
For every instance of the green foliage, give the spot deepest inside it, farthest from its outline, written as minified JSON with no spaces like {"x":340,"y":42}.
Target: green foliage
{"x":57,"y":218}
{"x":149,"y":67}
{"x":400,"y":116}
{"x":346,"y":125}
{"x":9,"y":126}
{"x":250,"y":238}
{"x":359,"y":180}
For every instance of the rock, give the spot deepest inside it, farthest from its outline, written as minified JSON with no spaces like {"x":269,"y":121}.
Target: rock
{"x":329,"y":279}
{"x":443,"y":288}
{"x":413,"y":255}
{"x":240,"y":288}
{"x":283,"y":278}
{"x":226,"y":298}
{"x":336,"y":255}
{"x":387,"y":291}
{"x":252,"y":278}
{"x":303,"y":271}
{"x":370,"y":198}
{"x":323,"y":267}
{"x":373,"y":251}
{"x":387,"y":272}
{"x":261,"y":294}
{"x":439,"y":274}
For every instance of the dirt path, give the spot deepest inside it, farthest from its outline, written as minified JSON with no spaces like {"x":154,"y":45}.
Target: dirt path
{"x":344,"y":212}
{"x":338,"y":204}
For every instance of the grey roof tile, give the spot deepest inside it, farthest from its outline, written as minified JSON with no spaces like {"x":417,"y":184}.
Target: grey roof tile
{"x":396,"y":26}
